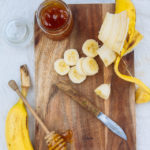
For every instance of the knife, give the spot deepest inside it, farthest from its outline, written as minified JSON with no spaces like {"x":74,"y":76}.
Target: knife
{"x":85,"y":103}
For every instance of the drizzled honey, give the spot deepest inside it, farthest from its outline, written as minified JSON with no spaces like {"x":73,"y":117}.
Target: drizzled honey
{"x":67,"y":136}
{"x":60,"y":141}
{"x":55,"y":19}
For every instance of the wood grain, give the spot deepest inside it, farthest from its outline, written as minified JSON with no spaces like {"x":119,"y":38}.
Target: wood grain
{"x":59,"y":112}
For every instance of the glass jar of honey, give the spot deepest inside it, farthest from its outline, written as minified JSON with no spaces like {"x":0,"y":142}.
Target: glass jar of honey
{"x":54,"y":17}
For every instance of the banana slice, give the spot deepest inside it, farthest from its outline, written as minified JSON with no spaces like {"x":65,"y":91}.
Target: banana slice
{"x":79,"y":67}
{"x":61,"y":67}
{"x":107,"y":55}
{"x":90,"y":66}
{"x":103,"y":91}
{"x":71,"y":57}
{"x":75,"y":77}
{"x":90,"y":48}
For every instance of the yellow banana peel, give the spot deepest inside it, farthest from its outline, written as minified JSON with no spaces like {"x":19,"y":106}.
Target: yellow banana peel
{"x":128,"y":46}
{"x":127,"y":5}
{"x":141,"y":96}
{"x":16,"y":128}
{"x":129,"y":78}
{"x":133,"y":38}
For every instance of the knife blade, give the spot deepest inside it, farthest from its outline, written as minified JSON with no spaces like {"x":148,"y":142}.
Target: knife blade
{"x":113,"y":126}
{"x":85,"y":103}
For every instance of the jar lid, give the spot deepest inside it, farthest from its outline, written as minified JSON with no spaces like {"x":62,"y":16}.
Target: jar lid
{"x":18,"y":32}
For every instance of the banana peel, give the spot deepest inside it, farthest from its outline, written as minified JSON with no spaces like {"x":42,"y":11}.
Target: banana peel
{"x":141,"y":96}
{"x":16,"y":129}
{"x":129,"y":78}
{"x":127,"y":5}
{"x":128,"y":46}
{"x":133,"y":36}
{"x":132,"y":39}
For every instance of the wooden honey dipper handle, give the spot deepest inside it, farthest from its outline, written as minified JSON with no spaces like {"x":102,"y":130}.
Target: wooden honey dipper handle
{"x":14,"y":86}
{"x":76,"y":96}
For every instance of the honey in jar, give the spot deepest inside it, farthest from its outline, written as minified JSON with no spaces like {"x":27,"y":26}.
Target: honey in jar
{"x":55,"y":19}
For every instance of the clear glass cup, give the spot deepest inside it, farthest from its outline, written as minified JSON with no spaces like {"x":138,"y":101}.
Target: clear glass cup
{"x":18,"y":32}
{"x":62,"y":31}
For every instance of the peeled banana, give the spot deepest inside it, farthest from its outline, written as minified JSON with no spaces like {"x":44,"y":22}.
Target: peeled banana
{"x":61,"y":67}
{"x":71,"y":57}
{"x":90,"y":48}
{"x":107,"y":55}
{"x":114,"y":30}
{"x":103,"y":91}
{"x":133,"y":36}
{"x":75,"y":77}
{"x":16,"y":129}
{"x":90,"y":66}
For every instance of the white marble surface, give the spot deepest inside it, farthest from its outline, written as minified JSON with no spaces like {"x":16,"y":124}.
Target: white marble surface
{"x":11,"y":58}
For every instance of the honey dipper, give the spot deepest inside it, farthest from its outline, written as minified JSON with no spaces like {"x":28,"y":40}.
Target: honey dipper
{"x":53,"y":140}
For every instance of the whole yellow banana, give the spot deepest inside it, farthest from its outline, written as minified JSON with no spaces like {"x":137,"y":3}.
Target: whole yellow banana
{"x":16,"y":130}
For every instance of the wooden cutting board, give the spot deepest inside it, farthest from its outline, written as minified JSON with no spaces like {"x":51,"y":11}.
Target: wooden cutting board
{"x":59,"y":112}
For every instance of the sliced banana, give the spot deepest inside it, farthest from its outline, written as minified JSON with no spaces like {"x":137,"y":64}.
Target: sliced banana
{"x":103,"y":91}
{"x":107,"y":55}
{"x":90,"y":48}
{"x":71,"y":57}
{"x":75,"y":77}
{"x":61,"y":67}
{"x":90,"y":66}
{"x":79,"y":66}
